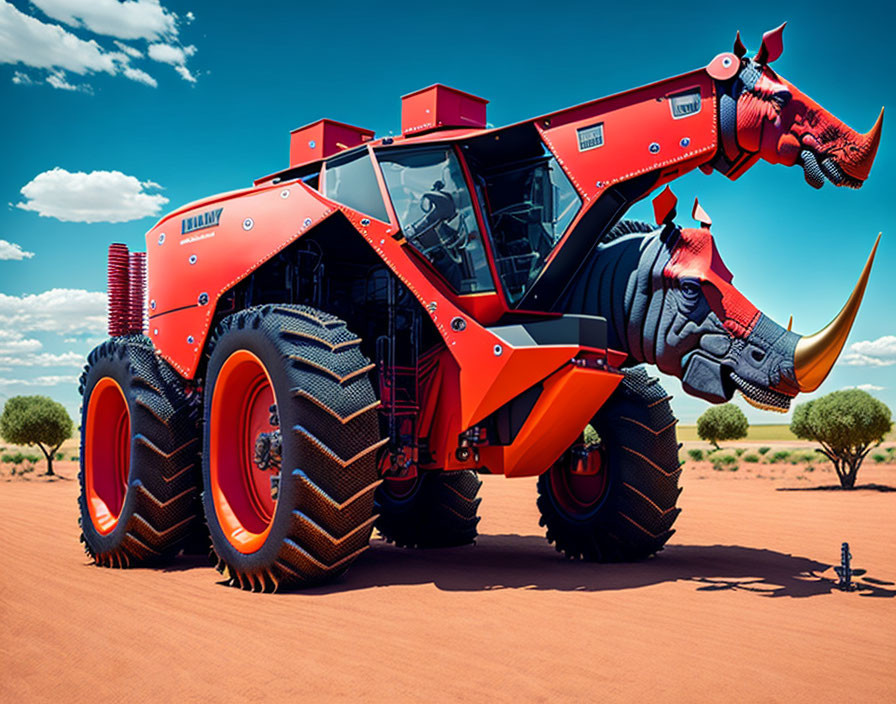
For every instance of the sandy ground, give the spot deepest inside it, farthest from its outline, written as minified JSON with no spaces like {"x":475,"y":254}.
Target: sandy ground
{"x":740,"y":607}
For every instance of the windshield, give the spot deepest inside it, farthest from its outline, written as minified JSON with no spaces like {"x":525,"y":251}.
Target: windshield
{"x":529,"y":206}
{"x":435,"y":212}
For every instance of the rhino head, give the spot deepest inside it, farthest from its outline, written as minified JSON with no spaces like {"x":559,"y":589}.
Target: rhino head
{"x":762,"y":115}
{"x":669,"y":300}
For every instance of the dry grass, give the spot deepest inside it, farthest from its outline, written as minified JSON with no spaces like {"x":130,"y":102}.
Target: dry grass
{"x":756,"y":433}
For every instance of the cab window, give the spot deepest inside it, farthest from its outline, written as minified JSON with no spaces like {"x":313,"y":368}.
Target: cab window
{"x":350,"y":180}
{"x":435,"y":213}
{"x":529,"y":206}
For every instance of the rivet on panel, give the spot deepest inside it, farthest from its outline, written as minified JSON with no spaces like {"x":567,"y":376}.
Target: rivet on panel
{"x":161,"y":238}
{"x":193,"y":259}
{"x":654,"y":148}
{"x":498,"y":350}
{"x":248,"y":224}
{"x":190,"y":340}
{"x":284,"y":193}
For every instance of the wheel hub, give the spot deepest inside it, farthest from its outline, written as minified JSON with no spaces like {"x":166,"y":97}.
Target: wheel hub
{"x":579,"y":479}
{"x":244,"y":450}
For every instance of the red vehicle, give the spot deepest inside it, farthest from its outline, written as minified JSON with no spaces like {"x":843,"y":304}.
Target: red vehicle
{"x":347,"y":343}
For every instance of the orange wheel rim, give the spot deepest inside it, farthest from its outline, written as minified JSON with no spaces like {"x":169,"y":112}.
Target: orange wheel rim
{"x":579,"y":485}
{"x":107,"y":454}
{"x":240,"y":411}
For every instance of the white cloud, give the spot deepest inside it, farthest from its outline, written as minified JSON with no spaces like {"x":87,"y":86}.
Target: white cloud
{"x":175,"y":56}
{"x":26,"y":40}
{"x":44,"y":359}
{"x":170,"y":54}
{"x":864,"y":360}
{"x":33,"y":43}
{"x":871,"y":353}
{"x":40,"y":381}
{"x":14,"y":342}
{"x":57,"y":80}
{"x":136,"y":74}
{"x":134,"y":19}
{"x":12,"y":251}
{"x":128,"y":49}
{"x":100,"y":196}
{"x":190,"y":16}
{"x":85,"y":340}
{"x":184,"y":73}
{"x":881,"y":347}
{"x":60,"y":310}
{"x":866,"y":387}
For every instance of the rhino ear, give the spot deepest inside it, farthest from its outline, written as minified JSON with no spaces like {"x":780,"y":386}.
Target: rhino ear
{"x":772,"y":45}
{"x":739,"y":49}
{"x":664,"y":206}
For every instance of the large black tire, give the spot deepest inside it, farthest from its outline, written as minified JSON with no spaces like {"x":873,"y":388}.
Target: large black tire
{"x":630,"y":517}
{"x":139,"y":456}
{"x":437,"y":510}
{"x":322,"y":517}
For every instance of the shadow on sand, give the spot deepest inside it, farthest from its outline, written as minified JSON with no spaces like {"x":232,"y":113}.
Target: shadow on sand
{"x":528,"y":562}
{"x":837,"y":487}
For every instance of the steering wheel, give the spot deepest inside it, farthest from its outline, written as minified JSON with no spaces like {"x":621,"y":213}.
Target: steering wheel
{"x":438,"y":208}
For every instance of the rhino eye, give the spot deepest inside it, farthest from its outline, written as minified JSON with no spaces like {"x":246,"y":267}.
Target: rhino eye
{"x":690,"y":289}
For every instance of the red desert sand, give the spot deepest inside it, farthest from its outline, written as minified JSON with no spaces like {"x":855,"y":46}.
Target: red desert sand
{"x":742,"y":606}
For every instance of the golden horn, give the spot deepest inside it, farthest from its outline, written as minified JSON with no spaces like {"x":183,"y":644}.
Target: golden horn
{"x":790,"y":324}
{"x":875,"y":130}
{"x":816,"y":354}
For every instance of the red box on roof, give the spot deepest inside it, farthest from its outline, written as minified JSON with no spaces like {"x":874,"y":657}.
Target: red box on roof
{"x":440,"y":107}
{"x":322,"y":138}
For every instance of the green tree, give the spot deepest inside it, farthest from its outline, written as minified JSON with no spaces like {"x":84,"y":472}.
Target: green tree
{"x":36,"y":420}
{"x":847,"y":424}
{"x":725,"y":422}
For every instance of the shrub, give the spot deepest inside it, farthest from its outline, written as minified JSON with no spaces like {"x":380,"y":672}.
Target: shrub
{"x":36,"y":420}
{"x":6,"y":459}
{"x":74,"y":458}
{"x":781,"y":456}
{"x":590,"y":435}
{"x":695,"y":454}
{"x":880,"y":457}
{"x":847,"y":424}
{"x":59,"y":456}
{"x":723,"y":460}
{"x":725,"y":422}
{"x":751,"y":457}
{"x":763,"y":450}
{"x":739,"y":451}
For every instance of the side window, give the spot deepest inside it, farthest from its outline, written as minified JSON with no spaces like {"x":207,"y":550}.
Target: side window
{"x":351,"y":181}
{"x":435,"y":212}
{"x":530,"y":206}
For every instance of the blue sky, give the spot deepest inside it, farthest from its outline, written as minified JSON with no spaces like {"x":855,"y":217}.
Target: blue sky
{"x":112,"y":111}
